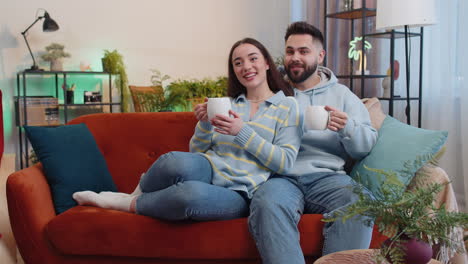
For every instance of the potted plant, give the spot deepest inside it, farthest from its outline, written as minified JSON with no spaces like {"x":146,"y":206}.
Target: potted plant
{"x":54,"y":54}
{"x":153,"y":98}
{"x":157,"y":78}
{"x":192,"y":92}
{"x":112,"y":62}
{"x":406,"y":217}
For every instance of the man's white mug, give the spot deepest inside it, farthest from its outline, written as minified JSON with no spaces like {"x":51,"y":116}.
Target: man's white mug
{"x":316,"y":117}
{"x":218,"y":105}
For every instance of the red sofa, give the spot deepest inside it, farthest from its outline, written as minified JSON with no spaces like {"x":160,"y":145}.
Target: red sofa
{"x":2,"y":140}
{"x":130,"y":143}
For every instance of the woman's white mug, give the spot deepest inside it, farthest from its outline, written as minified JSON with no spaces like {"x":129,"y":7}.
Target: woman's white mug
{"x":316,"y":117}
{"x":218,"y":105}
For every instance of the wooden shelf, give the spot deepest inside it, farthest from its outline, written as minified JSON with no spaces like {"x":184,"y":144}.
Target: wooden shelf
{"x":365,"y":76}
{"x":353,"y":14}
{"x":388,"y":34}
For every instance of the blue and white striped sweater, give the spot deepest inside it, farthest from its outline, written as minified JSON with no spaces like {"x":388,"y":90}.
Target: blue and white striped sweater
{"x":267,"y":143}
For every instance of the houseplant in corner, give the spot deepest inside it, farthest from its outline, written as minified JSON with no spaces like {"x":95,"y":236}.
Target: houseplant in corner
{"x":54,"y":54}
{"x":112,"y":62}
{"x":407,"y":217}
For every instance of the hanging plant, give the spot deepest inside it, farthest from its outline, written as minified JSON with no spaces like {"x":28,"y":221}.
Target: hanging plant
{"x":112,"y":62}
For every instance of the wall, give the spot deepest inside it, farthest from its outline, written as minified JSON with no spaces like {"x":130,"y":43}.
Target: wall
{"x":181,"y":38}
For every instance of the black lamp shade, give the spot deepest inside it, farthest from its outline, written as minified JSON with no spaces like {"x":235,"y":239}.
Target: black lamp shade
{"x":49,"y":24}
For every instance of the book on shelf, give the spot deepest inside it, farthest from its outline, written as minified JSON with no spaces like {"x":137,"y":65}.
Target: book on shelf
{"x":40,"y":111}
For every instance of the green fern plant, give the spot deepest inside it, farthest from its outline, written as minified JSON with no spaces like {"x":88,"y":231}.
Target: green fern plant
{"x":182,"y":91}
{"x":112,"y":62}
{"x":409,"y":213}
{"x":157,"y":78}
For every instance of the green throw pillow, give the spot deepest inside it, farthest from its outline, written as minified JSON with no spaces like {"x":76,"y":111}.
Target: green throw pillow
{"x":400,"y":148}
{"x":72,"y":162}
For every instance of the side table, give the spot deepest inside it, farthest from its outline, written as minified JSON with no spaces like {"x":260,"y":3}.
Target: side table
{"x":361,"y":256}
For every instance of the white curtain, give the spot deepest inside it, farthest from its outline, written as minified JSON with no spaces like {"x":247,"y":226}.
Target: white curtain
{"x":445,"y":89}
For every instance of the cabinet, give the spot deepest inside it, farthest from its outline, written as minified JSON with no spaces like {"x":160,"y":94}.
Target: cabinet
{"x":56,"y":106}
{"x":361,"y":24}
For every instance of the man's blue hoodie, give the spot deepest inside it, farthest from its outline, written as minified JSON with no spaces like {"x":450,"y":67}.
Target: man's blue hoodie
{"x":326,"y":150}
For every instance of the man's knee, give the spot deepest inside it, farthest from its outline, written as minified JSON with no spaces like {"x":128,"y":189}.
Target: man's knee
{"x":266,"y":198}
{"x":346,"y":192}
{"x":277,"y":198}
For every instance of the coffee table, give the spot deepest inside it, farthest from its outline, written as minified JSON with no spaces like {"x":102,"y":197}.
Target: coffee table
{"x":361,"y":256}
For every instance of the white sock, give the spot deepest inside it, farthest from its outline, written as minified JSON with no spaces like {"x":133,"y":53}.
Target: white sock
{"x":137,"y":190}
{"x":113,"y":194}
{"x":115,"y":201}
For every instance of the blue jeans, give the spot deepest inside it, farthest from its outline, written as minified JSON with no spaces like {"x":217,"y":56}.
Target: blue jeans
{"x":278,"y":204}
{"x":178,"y":187}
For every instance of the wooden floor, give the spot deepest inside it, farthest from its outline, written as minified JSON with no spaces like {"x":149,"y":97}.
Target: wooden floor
{"x":8,"y":250}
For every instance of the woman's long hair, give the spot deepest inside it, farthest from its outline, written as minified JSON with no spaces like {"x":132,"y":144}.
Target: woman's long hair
{"x":274,"y":79}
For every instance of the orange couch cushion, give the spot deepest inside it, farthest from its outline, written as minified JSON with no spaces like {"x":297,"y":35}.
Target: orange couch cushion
{"x":86,"y":230}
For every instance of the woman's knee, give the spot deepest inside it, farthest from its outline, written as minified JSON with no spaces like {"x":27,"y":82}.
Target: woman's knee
{"x":183,"y":166}
{"x":161,"y":172}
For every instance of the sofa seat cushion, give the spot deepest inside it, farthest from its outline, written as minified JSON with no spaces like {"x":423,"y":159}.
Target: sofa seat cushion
{"x":85,"y":230}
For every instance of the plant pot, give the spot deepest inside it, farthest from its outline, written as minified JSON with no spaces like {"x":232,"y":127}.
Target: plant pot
{"x":70,"y":96}
{"x":56,"y":65}
{"x":416,"y":251}
{"x":104,"y":68}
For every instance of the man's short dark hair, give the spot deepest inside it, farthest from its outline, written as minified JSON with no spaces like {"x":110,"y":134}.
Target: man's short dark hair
{"x":301,"y":28}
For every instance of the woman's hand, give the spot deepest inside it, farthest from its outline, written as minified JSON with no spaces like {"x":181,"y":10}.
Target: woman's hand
{"x":227,"y":125}
{"x":201,"y":112}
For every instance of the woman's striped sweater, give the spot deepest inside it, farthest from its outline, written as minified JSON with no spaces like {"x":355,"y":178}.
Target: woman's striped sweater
{"x":267,"y":143}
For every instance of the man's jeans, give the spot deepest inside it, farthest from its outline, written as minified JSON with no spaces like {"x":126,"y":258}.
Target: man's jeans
{"x":278,"y":204}
{"x":178,"y":186}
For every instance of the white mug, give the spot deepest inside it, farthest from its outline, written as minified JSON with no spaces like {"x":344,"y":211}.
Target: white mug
{"x":316,"y":117}
{"x":218,"y":105}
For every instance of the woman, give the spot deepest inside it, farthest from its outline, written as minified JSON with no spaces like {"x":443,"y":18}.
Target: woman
{"x":230,"y":156}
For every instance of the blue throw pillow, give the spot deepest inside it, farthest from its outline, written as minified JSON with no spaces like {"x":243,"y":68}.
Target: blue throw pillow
{"x":72,"y":162}
{"x":400,"y":148}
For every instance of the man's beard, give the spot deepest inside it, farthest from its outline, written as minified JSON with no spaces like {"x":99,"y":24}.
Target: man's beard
{"x":308,"y":71}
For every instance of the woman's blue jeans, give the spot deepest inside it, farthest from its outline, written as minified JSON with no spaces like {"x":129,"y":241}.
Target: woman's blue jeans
{"x":278,"y":204}
{"x":178,"y":187}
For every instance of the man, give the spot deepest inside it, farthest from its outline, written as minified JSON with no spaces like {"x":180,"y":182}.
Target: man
{"x":317,"y":184}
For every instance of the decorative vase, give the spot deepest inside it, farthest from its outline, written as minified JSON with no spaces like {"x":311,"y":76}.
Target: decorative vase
{"x":346,"y":5}
{"x":416,"y":251}
{"x":56,"y":65}
{"x":385,"y":87}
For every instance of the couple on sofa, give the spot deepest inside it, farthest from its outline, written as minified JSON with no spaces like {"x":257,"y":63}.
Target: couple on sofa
{"x":260,"y":161}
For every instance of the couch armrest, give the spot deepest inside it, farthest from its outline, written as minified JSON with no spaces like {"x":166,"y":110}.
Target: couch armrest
{"x":30,"y":208}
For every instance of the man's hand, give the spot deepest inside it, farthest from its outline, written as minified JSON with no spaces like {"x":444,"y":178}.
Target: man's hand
{"x":227,"y":125}
{"x":338,"y":119}
{"x":201,"y":112}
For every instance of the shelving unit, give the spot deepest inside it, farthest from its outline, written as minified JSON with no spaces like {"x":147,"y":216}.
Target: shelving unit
{"x":361,"y":14}
{"x":59,"y":77}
